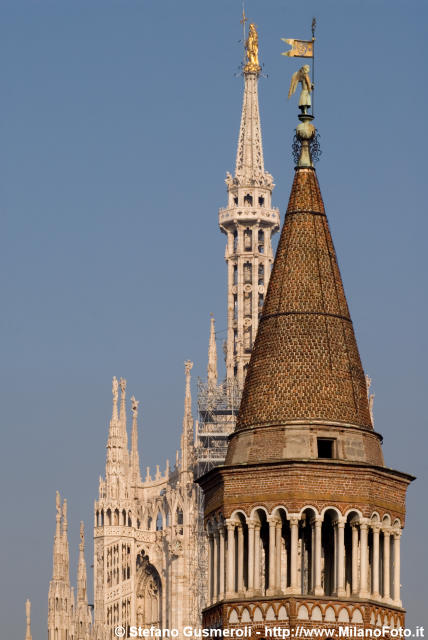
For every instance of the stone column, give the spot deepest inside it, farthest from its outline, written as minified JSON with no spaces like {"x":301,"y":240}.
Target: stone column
{"x":294,"y":526}
{"x":257,"y":558}
{"x":363,"y":557}
{"x":340,"y":556}
{"x":318,"y":590}
{"x":210,"y":568}
{"x":272,"y":554}
{"x":278,"y":547}
{"x":376,"y":530}
{"x":230,"y":524}
{"x":215,"y":565}
{"x":354,"y":586}
{"x":240,"y":558}
{"x":386,"y":564}
{"x":397,"y":536}
{"x":251,"y":527}
{"x":221,"y":553}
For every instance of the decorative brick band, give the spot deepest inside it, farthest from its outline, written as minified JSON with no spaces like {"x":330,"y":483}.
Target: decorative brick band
{"x":305,"y":313}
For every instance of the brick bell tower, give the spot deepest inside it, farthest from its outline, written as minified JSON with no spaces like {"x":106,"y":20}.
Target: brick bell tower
{"x":304,"y":519}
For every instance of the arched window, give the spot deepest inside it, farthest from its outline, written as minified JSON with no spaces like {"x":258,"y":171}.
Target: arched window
{"x":248,"y":199}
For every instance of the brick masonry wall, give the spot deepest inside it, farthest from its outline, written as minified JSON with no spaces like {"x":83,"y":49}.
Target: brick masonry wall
{"x":295,"y":485}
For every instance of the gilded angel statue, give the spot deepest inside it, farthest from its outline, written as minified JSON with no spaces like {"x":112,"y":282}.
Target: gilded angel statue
{"x":302,"y":76}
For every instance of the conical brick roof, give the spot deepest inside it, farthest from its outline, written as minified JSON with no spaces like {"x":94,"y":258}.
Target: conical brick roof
{"x":305,"y":363}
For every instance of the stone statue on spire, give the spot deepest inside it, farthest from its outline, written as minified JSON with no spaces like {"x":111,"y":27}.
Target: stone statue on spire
{"x":134,"y":406}
{"x":115,"y":388}
{"x":82,"y":536}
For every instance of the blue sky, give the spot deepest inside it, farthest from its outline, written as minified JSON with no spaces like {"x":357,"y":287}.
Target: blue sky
{"x":119,"y":120}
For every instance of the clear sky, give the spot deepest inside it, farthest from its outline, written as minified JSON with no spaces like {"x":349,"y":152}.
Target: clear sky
{"x":119,"y":120}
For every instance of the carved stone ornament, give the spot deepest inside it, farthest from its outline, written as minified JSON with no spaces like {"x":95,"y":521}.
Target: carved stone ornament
{"x":176,"y":547}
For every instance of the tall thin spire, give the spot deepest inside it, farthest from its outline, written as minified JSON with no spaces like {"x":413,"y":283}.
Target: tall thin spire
{"x":59,"y":618}
{"x":117,"y":443}
{"x":122,"y":416}
{"x":249,"y":156}
{"x":82,"y":596}
{"x":58,"y":557}
{"x":28,"y":635}
{"x":83,"y":614}
{"x":212,"y":358}
{"x":66,"y":551}
{"x":249,"y":221}
{"x":135,"y":457}
{"x":187,"y":431}
{"x":115,"y":393}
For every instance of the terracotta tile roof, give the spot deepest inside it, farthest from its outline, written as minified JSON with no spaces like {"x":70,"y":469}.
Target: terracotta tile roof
{"x":305,"y":362}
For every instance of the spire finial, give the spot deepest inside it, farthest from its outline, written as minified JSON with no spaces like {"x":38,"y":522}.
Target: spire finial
{"x":135,"y":458}
{"x":82,"y":537}
{"x":58,"y":513}
{"x":252,"y":50}
{"x":188,"y":397}
{"x":115,"y":391}
{"x":122,"y":384}
{"x":28,"y":616}
{"x":305,"y":145}
{"x":134,"y":407}
{"x":212,"y":357}
{"x":64,"y":517}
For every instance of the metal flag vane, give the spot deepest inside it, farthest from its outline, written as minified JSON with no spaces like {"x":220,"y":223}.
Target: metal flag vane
{"x":303,"y":49}
{"x":306,"y":149}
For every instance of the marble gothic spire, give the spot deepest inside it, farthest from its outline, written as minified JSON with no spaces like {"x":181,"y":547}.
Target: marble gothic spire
{"x":249,"y":221}
{"x":117,"y":462}
{"x":82,"y":595}
{"x":59,"y":618}
{"x":187,"y":431}
{"x":212,"y":358}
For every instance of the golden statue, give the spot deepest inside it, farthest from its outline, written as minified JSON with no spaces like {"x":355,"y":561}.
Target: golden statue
{"x":252,"y":47}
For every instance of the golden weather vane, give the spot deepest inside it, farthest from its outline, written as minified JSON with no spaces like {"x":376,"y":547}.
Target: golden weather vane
{"x":302,"y":49}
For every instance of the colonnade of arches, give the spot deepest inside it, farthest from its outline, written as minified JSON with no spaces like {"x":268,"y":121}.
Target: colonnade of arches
{"x":303,"y":553}
{"x":155,"y":518}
